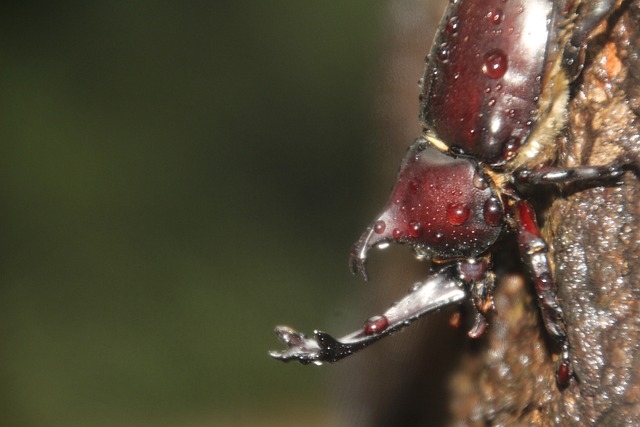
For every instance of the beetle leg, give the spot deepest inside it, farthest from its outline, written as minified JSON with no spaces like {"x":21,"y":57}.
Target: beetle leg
{"x":586,"y":18}
{"x":579,"y":174}
{"x":438,"y":290}
{"x":476,"y":274}
{"x":568,"y":175}
{"x":533,"y":250}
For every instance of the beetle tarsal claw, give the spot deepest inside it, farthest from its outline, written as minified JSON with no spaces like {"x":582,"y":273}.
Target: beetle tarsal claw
{"x":440,"y":289}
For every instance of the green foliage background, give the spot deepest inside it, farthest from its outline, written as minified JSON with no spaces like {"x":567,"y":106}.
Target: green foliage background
{"x":175,"y":179}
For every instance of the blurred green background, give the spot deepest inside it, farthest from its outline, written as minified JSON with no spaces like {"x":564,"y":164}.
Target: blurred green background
{"x":176,"y":179}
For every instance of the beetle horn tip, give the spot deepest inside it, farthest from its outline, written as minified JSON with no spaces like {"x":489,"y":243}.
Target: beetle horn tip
{"x":358,"y":258}
{"x":358,"y":265}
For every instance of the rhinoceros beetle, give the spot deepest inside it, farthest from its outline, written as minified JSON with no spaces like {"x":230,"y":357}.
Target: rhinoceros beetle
{"x":493,"y":100}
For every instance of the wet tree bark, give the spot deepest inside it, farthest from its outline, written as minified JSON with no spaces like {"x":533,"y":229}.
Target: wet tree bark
{"x":507,"y":377}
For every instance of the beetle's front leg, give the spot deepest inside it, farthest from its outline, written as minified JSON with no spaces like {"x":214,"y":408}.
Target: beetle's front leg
{"x":585,"y":175}
{"x":480,"y":280}
{"x":534,"y":252}
{"x":586,"y":17}
{"x":568,"y":175}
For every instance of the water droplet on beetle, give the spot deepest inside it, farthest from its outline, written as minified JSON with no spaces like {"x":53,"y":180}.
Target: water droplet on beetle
{"x":379,"y":227}
{"x":496,"y":16}
{"x":375,"y":325}
{"x":397,"y":233}
{"x":495,"y":64}
{"x":511,"y":148}
{"x":443,"y":52}
{"x":493,"y":212}
{"x":453,"y":25}
{"x":414,"y":229}
{"x":457,"y":213}
{"x":438,"y":237}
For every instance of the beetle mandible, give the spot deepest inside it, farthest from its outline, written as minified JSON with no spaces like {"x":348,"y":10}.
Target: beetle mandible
{"x":493,"y":100}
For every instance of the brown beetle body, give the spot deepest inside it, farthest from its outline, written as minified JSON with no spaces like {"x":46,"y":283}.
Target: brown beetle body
{"x":484,"y":77}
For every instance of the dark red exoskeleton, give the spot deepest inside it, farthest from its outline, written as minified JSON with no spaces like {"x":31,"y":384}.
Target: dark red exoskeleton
{"x":493,"y":100}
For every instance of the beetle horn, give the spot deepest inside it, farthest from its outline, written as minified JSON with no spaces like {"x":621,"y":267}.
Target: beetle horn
{"x":438,"y":290}
{"x":359,"y":251}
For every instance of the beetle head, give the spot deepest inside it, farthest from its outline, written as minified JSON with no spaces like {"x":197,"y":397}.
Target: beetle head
{"x":442,"y":206}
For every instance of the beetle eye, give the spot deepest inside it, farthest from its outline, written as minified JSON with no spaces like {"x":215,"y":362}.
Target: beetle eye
{"x":456,"y":149}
